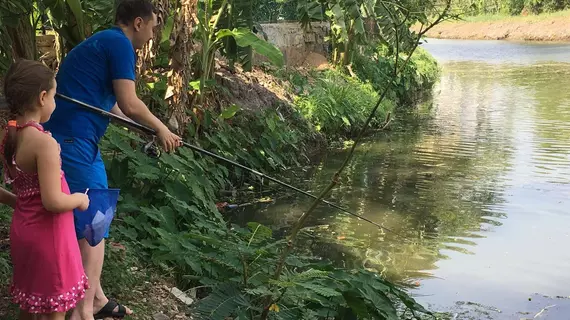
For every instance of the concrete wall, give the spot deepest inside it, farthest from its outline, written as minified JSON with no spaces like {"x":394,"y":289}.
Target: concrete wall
{"x":46,"y":48}
{"x":296,"y":43}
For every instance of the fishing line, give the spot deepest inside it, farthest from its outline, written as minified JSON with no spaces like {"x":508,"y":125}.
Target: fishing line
{"x":149,"y":131}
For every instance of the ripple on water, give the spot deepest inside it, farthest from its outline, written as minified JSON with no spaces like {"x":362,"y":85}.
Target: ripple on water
{"x":479,"y":193}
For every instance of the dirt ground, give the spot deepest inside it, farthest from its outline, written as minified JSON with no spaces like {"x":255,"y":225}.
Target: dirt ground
{"x":150,"y":301}
{"x":150,"y":298}
{"x":556,"y":28}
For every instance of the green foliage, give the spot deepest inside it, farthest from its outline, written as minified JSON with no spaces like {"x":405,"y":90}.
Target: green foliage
{"x":338,"y":105}
{"x":245,"y":38}
{"x":274,"y":10}
{"x":167,"y":211}
{"x":5,"y":51}
{"x":212,"y":36}
{"x":239,"y":16}
{"x":75,"y":20}
{"x":12,"y":12}
{"x":269,"y":143}
{"x":167,"y":207}
{"x":375,"y":65}
{"x":5,"y":263}
{"x":355,"y":23}
{"x":312,"y":291}
{"x":512,"y":7}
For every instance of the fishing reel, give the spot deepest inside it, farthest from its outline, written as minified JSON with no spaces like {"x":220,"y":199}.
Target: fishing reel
{"x":151,"y":149}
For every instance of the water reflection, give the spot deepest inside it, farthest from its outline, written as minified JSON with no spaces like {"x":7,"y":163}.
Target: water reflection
{"x":478,"y":194}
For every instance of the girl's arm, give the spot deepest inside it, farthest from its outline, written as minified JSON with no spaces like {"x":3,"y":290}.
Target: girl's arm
{"x":48,"y":163}
{"x":7,"y":198}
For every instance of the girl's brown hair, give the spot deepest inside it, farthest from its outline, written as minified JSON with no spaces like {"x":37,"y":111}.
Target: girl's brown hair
{"x":23,"y":83}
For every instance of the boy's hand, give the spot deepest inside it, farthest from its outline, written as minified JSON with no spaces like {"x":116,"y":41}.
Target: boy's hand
{"x":168,"y":140}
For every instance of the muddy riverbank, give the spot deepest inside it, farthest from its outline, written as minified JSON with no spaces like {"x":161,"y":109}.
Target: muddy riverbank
{"x":551,"y":27}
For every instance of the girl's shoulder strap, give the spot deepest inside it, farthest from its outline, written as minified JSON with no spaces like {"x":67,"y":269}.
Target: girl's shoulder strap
{"x":32,"y":124}
{"x":7,"y":174}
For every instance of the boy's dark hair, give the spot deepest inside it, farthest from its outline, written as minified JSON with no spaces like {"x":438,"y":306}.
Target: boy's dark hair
{"x":129,"y":10}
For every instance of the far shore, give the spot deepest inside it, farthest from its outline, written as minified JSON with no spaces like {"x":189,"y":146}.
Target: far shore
{"x":553,"y":27}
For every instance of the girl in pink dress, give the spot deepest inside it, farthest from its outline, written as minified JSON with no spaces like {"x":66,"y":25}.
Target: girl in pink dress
{"x":48,"y":277}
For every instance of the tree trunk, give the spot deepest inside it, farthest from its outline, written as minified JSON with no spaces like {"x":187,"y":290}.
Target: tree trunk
{"x":181,"y":53}
{"x":23,"y":38}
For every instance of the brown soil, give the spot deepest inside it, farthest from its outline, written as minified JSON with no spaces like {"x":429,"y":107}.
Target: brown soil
{"x":259,"y":89}
{"x":255,"y":90}
{"x":316,"y":61}
{"x":527,"y":28}
{"x":150,"y":299}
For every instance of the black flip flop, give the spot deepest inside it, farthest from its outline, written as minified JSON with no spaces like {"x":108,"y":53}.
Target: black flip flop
{"x":108,"y":311}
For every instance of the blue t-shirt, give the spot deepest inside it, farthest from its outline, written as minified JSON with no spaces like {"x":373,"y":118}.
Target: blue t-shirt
{"x":86,"y":74}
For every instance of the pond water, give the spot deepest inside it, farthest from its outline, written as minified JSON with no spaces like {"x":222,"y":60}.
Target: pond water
{"x":479,"y":195}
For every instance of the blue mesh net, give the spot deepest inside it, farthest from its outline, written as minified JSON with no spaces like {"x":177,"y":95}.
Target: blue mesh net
{"x":95,"y":222}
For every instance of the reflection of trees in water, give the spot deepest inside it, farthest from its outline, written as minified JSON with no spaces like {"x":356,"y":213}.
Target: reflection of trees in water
{"x":551,"y":125}
{"x":435,"y":187}
{"x":442,"y":186}
{"x":540,"y":107}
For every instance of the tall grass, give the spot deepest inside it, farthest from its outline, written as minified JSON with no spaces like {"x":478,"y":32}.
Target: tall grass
{"x":507,"y":17}
{"x":375,"y":65}
{"x":338,"y":105}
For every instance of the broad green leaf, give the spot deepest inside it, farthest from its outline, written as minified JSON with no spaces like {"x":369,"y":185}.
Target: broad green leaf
{"x":130,"y":233}
{"x":356,"y":304}
{"x":193,"y":264}
{"x":270,"y":123}
{"x":245,"y":38}
{"x":75,"y":6}
{"x":230,"y":111}
{"x":354,"y":10}
{"x":337,"y":11}
{"x":259,"y":232}
{"x":359,"y":26}
{"x":166,"y":32}
{"x":152,"y":174}
{"x":195,"y":85}
{"x":148,"y":244}
{"x":380,"y":302}
{"x":409,"y":301}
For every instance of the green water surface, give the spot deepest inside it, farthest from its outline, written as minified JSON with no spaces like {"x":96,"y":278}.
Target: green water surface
{"x":479,"y":194}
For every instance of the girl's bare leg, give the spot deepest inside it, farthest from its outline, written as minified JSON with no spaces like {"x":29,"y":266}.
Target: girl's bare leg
{"x":93,"y":264}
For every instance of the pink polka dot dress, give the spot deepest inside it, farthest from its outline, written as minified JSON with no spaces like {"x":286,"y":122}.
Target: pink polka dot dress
{"x":48,"y":272}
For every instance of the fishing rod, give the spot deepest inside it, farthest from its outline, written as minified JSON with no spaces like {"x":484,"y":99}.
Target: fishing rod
{"x":152,"y":132}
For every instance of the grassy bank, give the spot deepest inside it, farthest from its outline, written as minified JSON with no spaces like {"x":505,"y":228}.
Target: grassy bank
{"x":171,"y":229}
{"x":543,"y":27}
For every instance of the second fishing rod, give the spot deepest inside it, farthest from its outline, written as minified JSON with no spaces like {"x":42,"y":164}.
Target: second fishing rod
{"x":149,"y":131}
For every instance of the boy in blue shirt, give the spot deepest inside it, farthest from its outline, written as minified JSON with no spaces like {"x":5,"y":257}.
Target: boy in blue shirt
{"x":101,"y":72}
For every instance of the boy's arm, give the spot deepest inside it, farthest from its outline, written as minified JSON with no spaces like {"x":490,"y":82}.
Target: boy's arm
{"x":7,"y":198}
{"x":135,"y":109}
{"x":122,"y":61}
{"x":117,"y":111}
